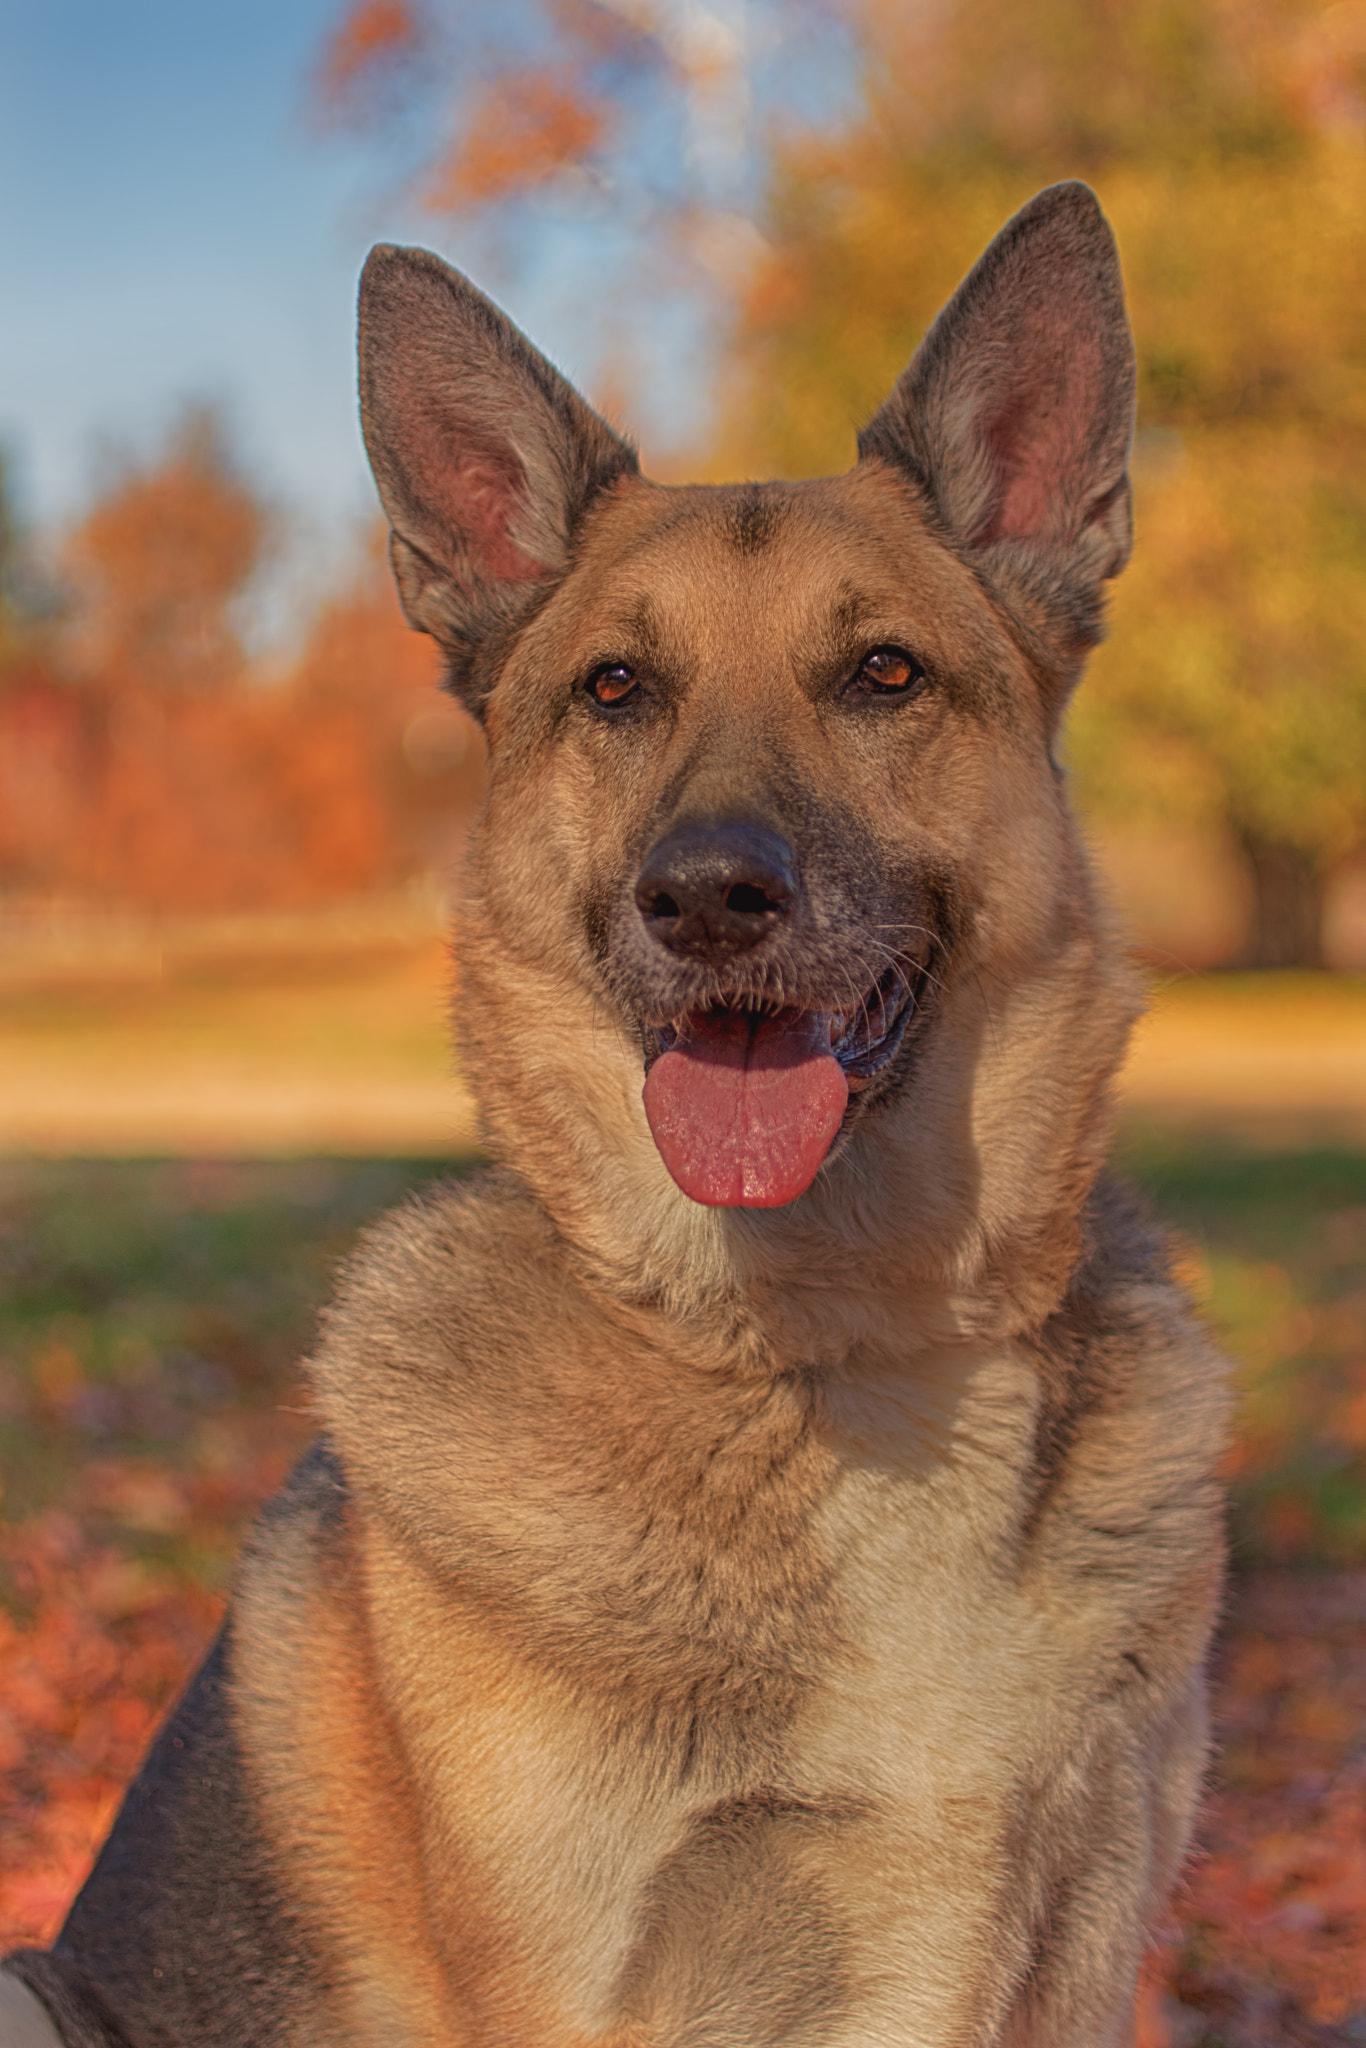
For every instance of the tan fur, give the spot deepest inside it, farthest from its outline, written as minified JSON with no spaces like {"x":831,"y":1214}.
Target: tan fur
{"x":758,"y":1626}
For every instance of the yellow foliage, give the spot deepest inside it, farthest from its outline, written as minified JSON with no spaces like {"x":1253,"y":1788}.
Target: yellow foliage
{"x":1233,"y":690}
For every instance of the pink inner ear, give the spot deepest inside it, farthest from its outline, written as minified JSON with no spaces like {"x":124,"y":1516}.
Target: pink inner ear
{"x":1038,"y":438}
{"x":484,"y":499}
{"x":473,"y":492}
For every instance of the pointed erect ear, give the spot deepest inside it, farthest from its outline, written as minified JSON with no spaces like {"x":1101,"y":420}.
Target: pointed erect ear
{"x":485,"y":458}
{"x":1016,"y":415}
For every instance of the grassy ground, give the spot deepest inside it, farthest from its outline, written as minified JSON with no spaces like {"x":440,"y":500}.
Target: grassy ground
{"x":1273,"y":1243}
{"x":1269,"y":1944}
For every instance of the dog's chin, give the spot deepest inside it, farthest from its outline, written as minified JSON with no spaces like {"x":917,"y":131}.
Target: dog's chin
{"x":746,"y":1101}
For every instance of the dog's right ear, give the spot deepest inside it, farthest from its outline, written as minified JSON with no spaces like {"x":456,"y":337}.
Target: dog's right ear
{"x":485,"y":457}
{"x":1016,"y":415}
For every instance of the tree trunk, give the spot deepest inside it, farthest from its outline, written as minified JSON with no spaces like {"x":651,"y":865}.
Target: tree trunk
{"x":1287,"y":905}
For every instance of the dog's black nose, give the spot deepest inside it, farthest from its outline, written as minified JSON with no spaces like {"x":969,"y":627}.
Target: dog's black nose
{"x":716,"y":890}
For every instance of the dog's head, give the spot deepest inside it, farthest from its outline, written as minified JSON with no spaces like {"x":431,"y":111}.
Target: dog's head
{"x":775,"y":885}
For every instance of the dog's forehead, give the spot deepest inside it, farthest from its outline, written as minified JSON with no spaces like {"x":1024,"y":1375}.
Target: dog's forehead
{"x":835,"y":555}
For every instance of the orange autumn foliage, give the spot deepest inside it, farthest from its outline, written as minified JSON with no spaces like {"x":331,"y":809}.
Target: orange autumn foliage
{"x":501,"y":105}
{"x":42,"y":769}
{"x":230,"y":804}
{"x":1270,"y":1935}
{"x":143,"y":760}
{"x":374,"y":41}
{"x":527,"y":127}
{"x":158,"y":564}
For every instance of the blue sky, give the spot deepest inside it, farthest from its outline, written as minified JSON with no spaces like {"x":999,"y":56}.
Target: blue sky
{"x":172,"y":230}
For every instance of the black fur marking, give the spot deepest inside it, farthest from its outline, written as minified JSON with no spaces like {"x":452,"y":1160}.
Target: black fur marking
{"x":1084,"y":1348}
{"x":596,"y":921}
{"x":754,"y":520}
{"x":179,"y":1934}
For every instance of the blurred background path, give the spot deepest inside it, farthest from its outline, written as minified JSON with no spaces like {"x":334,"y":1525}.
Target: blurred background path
{"x":258,"y":1041}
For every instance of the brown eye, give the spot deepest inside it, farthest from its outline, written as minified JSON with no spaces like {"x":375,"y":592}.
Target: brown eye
{"x":613,"y":684}
{"x":888,"y":672}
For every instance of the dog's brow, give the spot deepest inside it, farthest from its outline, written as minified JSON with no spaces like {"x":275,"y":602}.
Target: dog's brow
{"x":644,"y":632}
{"x":846,"y":613}
{"x":838,"y":624}
{"x":754,"y":520}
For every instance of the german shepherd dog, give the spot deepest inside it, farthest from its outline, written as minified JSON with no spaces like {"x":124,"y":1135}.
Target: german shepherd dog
{"x":752,"y":1586}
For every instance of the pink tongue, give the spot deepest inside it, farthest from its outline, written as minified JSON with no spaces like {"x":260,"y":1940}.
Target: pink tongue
{"x":744,"y":1113}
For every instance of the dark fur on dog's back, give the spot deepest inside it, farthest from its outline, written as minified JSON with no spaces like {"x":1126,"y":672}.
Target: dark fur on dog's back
{"x":779,"y":1621}
{"x":166,"y":1942}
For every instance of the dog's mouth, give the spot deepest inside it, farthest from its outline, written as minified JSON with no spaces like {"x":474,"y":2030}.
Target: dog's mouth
{"x":744,"y":1102}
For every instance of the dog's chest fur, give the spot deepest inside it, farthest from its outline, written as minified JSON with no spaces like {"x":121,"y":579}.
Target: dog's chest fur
{"x":755,"y":1695}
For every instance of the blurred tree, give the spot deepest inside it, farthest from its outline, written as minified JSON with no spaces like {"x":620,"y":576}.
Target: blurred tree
{"x":1226,"y":139}
{"x":346,"y":774}
{"x":41,"y":726}
{"x":645,"y":123}
{"x":9,"y":568}
{"x":166,"y":785}
{"x":146,"y":760}
{"x":382,"y":771}
{"x":160,"y":566}
{"x":648,"y":102}
{"x":30,"y":600}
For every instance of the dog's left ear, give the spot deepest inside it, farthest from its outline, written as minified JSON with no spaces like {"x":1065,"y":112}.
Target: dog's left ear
{"x":1016,"y":415}
{"x":485,"y":457}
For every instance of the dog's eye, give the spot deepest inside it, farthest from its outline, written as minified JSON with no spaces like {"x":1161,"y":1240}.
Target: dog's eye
{"x":612,"y":684}
{"x":888,"y":672}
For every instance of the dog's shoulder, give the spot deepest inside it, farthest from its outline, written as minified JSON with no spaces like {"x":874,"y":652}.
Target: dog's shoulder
{"x":1134,"y":1417}
{"x":454,"y":1332}
{"x":440,"y":1280}
{"x":1126,"y":1324}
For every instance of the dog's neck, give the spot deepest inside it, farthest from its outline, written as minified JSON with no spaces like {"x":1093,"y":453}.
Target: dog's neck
{"x":951,"y":1215}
